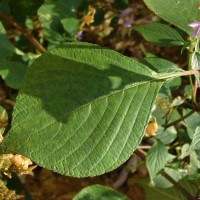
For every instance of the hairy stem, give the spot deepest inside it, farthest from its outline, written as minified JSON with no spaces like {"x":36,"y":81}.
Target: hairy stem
{"x":26,"y":33}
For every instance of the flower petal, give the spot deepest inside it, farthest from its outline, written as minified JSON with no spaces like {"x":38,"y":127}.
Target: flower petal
{"x":194,"y":24}
{"x":128,"y":23}
{"x":195,"y":31}
{"x":125,"y":12}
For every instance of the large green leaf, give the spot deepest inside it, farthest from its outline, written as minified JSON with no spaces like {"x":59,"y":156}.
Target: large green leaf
{"x":160,"y":34}
{"x":177,"y":12}
{"x":99,"y":192}
{"x":82,"y":109}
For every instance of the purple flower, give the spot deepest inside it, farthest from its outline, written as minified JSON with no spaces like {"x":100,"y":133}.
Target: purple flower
{"x":196,"y":28}
{"x":128,"y":23}
{"x":80,"y":35}
{"x":125,"y":12}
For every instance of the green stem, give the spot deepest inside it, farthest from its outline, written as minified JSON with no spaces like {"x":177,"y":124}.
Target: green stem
{"x":184,"y":73}
{"x":193,"y":92}
{"x":190,"y":77}
{"x":180,"y":119}
{"x":194,"y":89}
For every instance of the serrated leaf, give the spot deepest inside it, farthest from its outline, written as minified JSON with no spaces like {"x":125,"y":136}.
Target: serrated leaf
{"x":82,"y":109}
{"x":96,"y":192}
{"x":156,"y":158}
{"x":160,"y":34}
{"x":178,"y":12}
{"x":196,"y":139}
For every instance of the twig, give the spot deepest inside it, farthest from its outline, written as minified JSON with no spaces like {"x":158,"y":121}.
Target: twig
{"x":195,"y":90}
{"x":9,"y":101}
{"x":144,"y":147}
{"x":26,"y":33}
{"x":123,"y":175}
{"x":178,"y":186}
{"x":140,"y":153}
{"x":180,"y":119}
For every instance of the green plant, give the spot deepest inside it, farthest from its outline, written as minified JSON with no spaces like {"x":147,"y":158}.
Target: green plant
{"x":83,"y":109}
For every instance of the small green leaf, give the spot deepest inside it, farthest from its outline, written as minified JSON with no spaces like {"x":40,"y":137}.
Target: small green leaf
{"x":178,"y":12}
{"x":71,"y":5}
{"x":156,"y":158}
{"x":122,"y":4}
{"x":13,"y":73}
{"x":195,"y":63}
{"x":184,"y":151}
{"x":194,"y":164}
{"x":161,"y":182}
{"x":82,"y":109}
{"x":160,"y":193}
{"x":7,"y":49}
{"x":49,"y":16}
{"x":96,"y":192}
{"x":4,"y":7}
{"x":191,"y":122}
{"x":70,"y":25}
{"x":196,"y":139}
{"x":190,"y":186}
{"x":58,"y":19}
{"x":160,"y":65}
{"x":177,"y":101}
{"x":166,"y":136}
{"x":160,"y":34}
{"x":23,"y":9}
